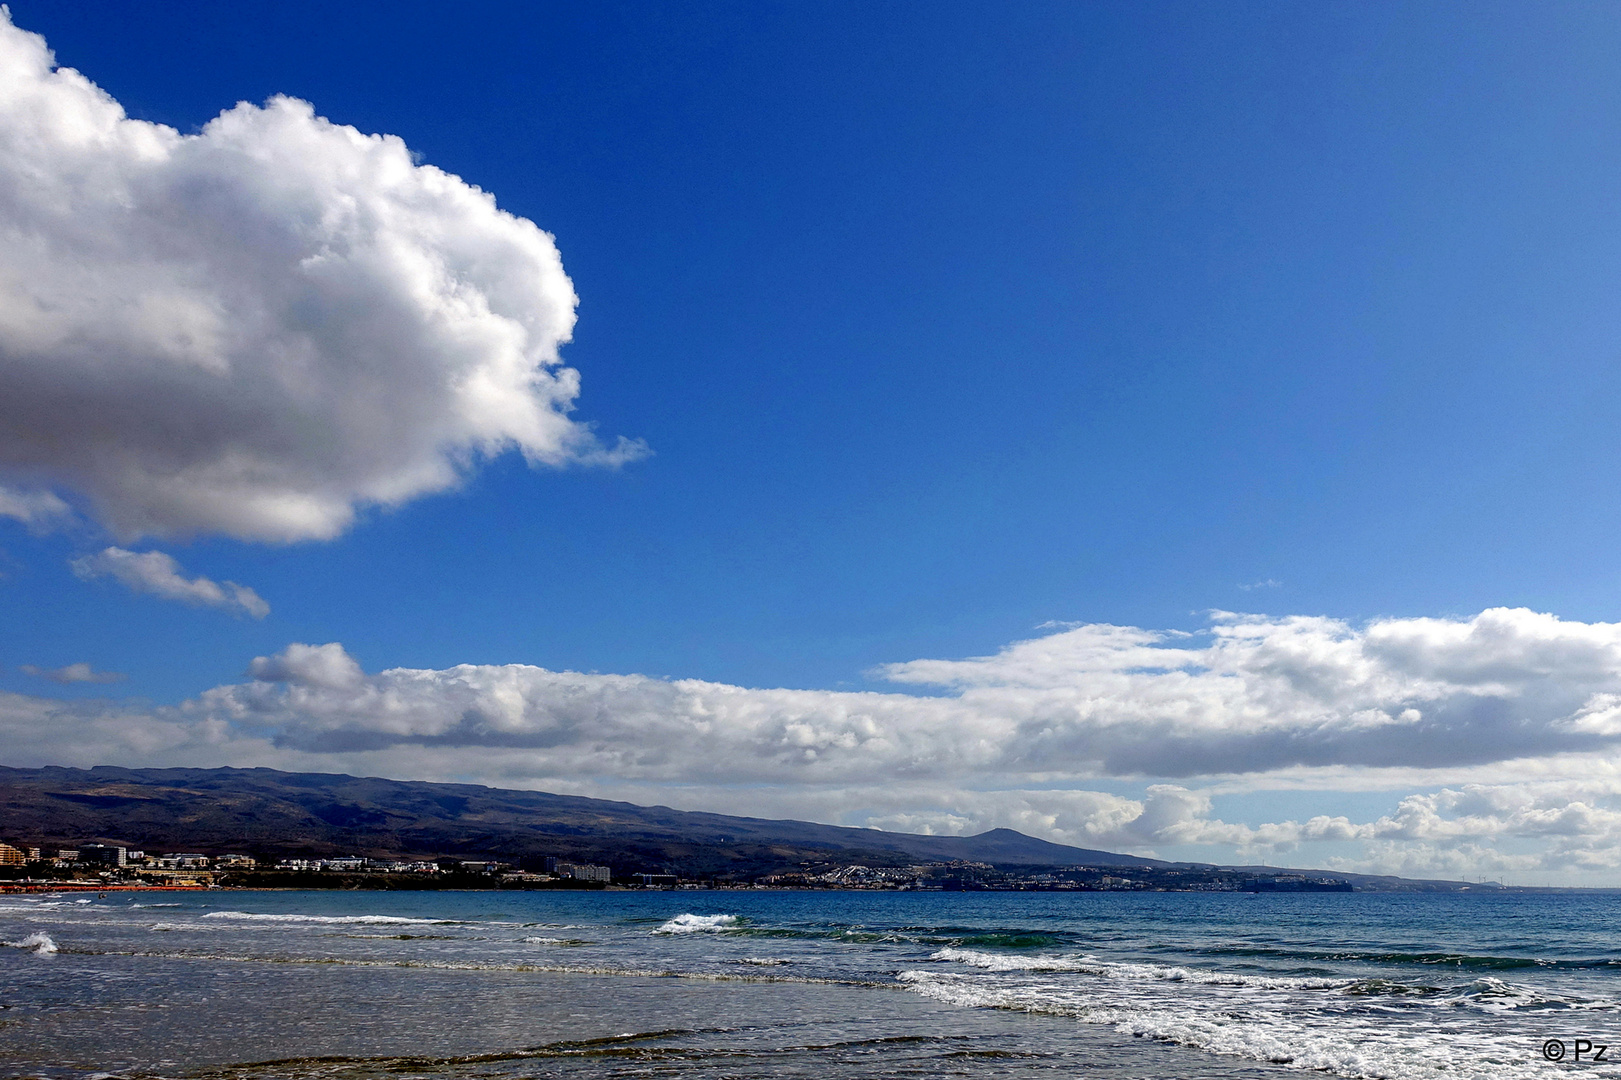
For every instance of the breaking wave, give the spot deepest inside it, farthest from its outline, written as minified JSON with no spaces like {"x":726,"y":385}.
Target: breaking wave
{"x":40,"y":943}
{"x":1163,"y":972}
{"x":340,"y":920}
{"x":687,"y":923}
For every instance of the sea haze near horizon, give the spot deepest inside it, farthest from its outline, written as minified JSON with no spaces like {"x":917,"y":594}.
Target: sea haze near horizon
{"x":257,"y":985}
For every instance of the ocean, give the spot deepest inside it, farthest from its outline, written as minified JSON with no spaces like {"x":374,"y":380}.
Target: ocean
{"x":1101,"y":985}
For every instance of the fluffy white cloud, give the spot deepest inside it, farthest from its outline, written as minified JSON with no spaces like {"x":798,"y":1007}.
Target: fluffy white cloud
{"x":1260,"y":694}
{"x":73,"y":673}
{"x":157,"y":573}
{"x":328,"y":667}
{"x":1473,"y":829}
{"x":256,"y":329}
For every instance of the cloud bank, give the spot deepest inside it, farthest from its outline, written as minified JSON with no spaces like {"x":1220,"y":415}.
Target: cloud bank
{"x":1511,"y":718}
{"x":261,"y":328}
{"x":1251,"y":695}
{"x":157,"y":574}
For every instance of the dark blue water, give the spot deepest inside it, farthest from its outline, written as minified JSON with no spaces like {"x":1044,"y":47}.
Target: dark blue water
{"x":761,"y":983}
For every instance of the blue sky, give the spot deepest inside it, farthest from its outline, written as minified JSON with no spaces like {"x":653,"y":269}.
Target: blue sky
{"x":940,"y":323}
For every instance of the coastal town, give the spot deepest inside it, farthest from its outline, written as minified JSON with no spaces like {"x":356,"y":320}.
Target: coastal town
{"x":111,"y":866}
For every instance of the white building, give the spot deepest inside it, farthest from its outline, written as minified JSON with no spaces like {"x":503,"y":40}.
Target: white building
{"x":585,"y":872}
{"x":182,"y":860}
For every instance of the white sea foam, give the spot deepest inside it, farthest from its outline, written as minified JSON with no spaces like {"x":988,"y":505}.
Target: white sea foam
{"x":1277,"y":1028}
{"x":1086,"y":965}
{"x":40,"y":943}
{"x":155,"y":905}
{"x":765,"y":961}
{"x":339,"y":920}
{"x":687,"y":923}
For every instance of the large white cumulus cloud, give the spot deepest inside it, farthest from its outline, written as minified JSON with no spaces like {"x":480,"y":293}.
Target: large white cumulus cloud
{"x":256,"y":329}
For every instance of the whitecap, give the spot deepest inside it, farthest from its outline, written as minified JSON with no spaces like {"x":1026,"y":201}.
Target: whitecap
{"x":364,"y":920}
{"x":40,"y":943}
{"x":687,"y":923}
{"x":1086,"y":965}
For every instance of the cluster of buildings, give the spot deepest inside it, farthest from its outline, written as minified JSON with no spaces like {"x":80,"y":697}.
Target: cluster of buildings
{"x":577,"y":871}
{"x":354,"y":864}
{"x":944,"y":875}
{"x":976,"y":876}
{"x":112,"y":861}
{"x":550,"y":868}
{"x":864,"y":877}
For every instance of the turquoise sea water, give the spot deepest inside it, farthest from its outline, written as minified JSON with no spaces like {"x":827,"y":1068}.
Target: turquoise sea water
{"x":832,"y":984}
